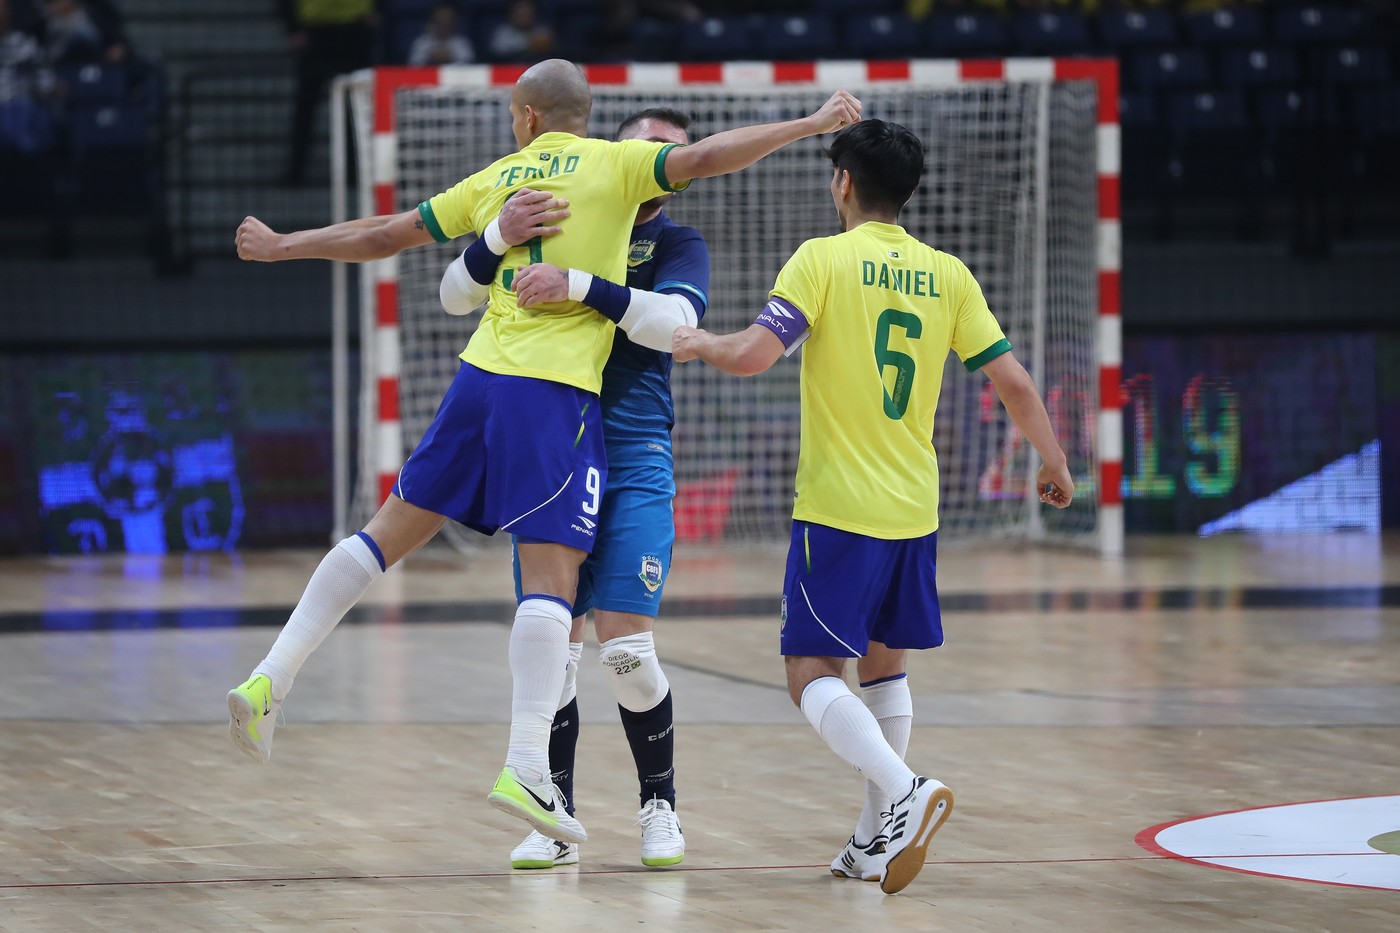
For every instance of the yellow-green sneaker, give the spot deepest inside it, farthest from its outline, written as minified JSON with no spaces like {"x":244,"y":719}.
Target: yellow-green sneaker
{"x":252,"y":716}
{"x":540,"y":805}
{"x":662,"y":842}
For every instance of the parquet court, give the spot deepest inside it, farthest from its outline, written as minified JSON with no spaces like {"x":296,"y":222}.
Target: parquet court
{"x":1077,"y":703}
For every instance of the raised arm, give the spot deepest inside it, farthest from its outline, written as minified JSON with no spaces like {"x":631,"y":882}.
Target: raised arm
{"x":358,"y":240}
{"x":1022,"y":400}
{"x":739,"y":148}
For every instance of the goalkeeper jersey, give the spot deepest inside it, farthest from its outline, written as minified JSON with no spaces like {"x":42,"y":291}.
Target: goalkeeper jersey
{"x":879,"y":311}
{"x":605,"y":182}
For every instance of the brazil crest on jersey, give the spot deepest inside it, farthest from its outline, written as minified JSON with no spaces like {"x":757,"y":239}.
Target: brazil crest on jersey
{"x":881,"y":311}
{"x":605,"y":182}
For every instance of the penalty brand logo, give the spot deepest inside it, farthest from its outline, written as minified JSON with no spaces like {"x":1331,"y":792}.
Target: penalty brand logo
{"x":652,"y":573}
{"x":782,"y":618}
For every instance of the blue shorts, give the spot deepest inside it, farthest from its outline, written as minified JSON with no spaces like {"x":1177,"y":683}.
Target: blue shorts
{"x":843,"y":590}
{"x":514,"y":453}
{"x":627,"y":570}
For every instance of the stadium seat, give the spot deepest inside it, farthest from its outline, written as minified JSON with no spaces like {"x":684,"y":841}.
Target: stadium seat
{"x":416,"y":8}
{"x":1256,"y":67}
{"x":109,"y":127}
{"x":400,"y":34}
{"x":654,"y":40}
{"x":1135,"y":29}
{"x":1179,"y":68}
{"x":881,"y":35}
{"x":1051,"y":33}
{"x":808,"y":36}
{"x":94,"y":84}
{"x":839,"y":7}
{"x":1196,"y":111}
{"x":1213,"y":148}
{"x":718,"y":37}
{"x":1314,"y":23}
{"x":962,"y":34}
{"x":1355,"y":66}
{"x":1236,"y":26}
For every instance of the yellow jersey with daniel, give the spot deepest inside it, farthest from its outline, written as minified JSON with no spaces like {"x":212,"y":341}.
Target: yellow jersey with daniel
{"x":879,"y":311}
{"x":605,"y":182}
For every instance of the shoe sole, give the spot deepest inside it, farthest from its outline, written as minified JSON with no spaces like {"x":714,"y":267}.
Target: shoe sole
{"x":848,"y":876}
{"x":905,"y":866}
{"x":664,"y":862}
{"x":559,"y":831}
{"x":241,"y":714}
{"x":536,"y":863}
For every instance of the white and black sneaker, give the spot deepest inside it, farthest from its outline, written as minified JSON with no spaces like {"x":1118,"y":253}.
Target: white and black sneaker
{"x":916,"y":818}
{"x":863,"y":862}
{"x":537,"y":851}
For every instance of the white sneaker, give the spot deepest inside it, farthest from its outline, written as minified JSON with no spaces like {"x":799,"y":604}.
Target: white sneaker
{"x":662,"y":842}
{"x":540,"y":805}
{"x":538,"y":851}
{"x":252,"y":717}
{"x":916,"y":818}
{"x":863,"y":861}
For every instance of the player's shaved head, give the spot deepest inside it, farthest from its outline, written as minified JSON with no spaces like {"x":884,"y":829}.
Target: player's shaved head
{"x":556,"y":90}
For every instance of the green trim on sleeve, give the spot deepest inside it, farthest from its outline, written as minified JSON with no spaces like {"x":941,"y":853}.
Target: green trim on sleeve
{"x":425,"y":210}
{"x":986,"y":356}
{"x":660,"y":169}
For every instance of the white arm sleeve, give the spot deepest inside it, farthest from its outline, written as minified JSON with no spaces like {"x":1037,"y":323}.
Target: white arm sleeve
{"x":651,"y":318}
{"x":460,"y":293}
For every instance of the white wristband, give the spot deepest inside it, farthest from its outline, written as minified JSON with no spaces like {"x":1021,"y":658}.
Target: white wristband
{"x":492,"y":235}
{"x":579,"y":283}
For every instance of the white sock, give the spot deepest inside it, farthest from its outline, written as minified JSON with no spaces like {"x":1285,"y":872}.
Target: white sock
{"x":338,"y":583}
{"x":571,"y":674}
{"x":852,"y":732}
{"x":539,"y":657}
{"x":889,"y":702}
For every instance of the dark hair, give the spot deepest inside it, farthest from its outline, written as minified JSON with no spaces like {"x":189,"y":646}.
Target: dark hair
{"x":885,"y":160}
{"x":669,"y":115}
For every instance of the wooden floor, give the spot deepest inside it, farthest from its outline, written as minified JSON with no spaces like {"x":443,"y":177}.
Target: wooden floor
{"x":1078,"y":702}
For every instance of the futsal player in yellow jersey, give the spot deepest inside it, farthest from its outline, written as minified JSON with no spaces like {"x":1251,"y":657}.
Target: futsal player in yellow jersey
{"x":517,"y":442}
{"x":876,"y":312}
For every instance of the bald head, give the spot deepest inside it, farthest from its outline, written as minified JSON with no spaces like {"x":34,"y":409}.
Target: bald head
{"x":551,"y":96}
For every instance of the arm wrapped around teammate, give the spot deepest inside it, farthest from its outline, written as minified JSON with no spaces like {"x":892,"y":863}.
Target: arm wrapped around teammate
{"x":648,"y":318}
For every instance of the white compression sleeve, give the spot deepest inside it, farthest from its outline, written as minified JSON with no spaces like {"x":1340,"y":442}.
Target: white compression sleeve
{"x":460,"y":293}
{"x":652,"y":317}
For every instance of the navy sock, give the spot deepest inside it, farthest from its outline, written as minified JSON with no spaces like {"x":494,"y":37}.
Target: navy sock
{"x":653,"y":739}
{"x":563,"y":739}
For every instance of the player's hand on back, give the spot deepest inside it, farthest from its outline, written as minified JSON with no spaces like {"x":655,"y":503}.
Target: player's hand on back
{"x":841,"y":109}
{"x":529,"y":213}
{"x":540,"y":283}
{"x":256,"y":241}
{"x":1055,"y":485}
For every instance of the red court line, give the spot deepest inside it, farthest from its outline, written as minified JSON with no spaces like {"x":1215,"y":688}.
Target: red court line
{"x":953,"y":863}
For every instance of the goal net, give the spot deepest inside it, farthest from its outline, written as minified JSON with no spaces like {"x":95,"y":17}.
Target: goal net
{"x":1015,"y":174}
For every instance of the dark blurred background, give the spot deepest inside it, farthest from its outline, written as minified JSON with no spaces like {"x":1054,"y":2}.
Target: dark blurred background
{"x":157,"y":394}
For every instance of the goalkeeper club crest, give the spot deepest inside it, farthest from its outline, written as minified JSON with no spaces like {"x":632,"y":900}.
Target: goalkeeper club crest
{"x":640,"y":252}
{"x":651,"y":573}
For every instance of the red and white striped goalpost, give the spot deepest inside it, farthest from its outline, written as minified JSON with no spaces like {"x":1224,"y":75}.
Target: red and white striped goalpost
{"x":386,"y":451}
